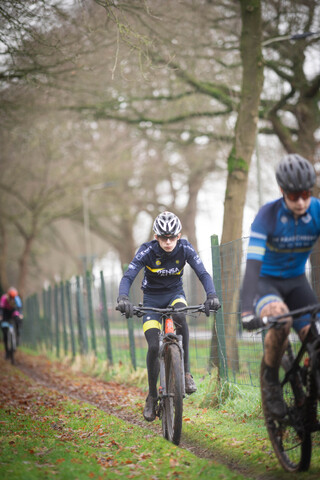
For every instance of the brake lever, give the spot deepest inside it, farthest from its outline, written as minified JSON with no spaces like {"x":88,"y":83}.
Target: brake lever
{"x":269,"y":322}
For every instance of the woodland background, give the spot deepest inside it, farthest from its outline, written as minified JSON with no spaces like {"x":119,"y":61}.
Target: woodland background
{"x":168,"y":101}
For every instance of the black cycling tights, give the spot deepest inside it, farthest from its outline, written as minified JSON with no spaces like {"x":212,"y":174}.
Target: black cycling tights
{"x":152,"y":337}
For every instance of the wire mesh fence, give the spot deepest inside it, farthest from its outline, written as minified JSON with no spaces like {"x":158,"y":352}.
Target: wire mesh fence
{"x":78,"y":317}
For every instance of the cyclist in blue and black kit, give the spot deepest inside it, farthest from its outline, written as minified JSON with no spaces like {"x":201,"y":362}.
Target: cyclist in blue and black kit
{"x":163,"y":260}
{"x":282,"y":236}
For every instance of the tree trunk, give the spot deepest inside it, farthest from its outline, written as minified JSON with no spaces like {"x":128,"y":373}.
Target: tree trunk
{"x":188,"y":217}
{"x":3,"y":256}
{"x":23,"y":263}
{"x":239,"y":163}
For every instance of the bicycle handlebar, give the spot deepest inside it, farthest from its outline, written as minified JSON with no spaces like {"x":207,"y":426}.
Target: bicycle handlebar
{"x":272,"y":321}
{"x":141,"y":310}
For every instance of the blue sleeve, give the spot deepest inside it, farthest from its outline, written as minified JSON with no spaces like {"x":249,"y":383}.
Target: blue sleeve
{"x":258,"y":237}
{"x":196,"y":264}
{"x":134,"y":268}
{"x":315,"y":207}
{"x":263,"y":223}
{"x":18,"y":302}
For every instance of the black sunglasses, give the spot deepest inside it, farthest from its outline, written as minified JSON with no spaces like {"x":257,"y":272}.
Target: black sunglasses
{"x":167,"y":237}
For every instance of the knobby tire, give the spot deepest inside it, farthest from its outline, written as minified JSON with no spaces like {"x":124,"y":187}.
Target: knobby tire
{"x":290,"y":439}
{"x":173,"y":402}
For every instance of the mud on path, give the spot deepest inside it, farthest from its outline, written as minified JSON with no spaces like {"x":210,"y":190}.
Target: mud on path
{"x":123,"y":401}
{"x":111,"y":397}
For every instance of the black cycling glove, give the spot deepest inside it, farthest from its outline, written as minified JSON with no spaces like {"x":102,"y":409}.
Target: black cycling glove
{"x":251,"y":322}
{"x":212,"y":303}
{"x":125,"y":306}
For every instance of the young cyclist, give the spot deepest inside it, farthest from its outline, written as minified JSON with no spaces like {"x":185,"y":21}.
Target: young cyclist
{"x":282,"y":236}
{"x":10,"y":308}
{"x":163,"y":260}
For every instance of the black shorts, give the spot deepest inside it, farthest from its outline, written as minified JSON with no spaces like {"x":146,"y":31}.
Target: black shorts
{"x":294,"y":292}
{"x":153,"y":320}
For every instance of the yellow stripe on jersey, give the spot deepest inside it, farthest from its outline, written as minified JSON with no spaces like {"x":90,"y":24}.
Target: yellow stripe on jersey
{"x":155,"y":270}
{"x":288,"y":250}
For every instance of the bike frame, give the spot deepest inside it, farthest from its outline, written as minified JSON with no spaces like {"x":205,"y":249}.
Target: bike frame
{"x":291,"y":436}
{"x":168,"y":336}
{"x":311,"y":347}
{"x":171,"y":360}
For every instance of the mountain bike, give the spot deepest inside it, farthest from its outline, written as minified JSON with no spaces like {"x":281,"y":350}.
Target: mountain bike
{"x":171,"y":390}
{"x":291,"y":437}
{"x":11,"y":338}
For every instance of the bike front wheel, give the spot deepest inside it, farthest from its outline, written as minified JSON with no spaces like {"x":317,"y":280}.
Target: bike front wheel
{"x":290,"y":438}
{"x":173,"y":401}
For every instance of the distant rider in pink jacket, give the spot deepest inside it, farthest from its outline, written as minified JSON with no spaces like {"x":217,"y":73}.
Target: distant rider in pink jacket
{"x":10,"y":310}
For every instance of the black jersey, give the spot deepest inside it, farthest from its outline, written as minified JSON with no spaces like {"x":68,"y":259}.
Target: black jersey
{"x":163,"y":271}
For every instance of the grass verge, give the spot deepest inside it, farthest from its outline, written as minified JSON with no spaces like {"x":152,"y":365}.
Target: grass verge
{"x":222,"y":419}
{"x":45,"y":435}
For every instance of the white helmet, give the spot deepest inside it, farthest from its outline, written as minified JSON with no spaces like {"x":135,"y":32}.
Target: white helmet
{"x":167,"y":223}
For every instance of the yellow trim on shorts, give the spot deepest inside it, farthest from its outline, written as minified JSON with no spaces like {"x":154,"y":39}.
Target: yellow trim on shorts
{"x":179,"y":300}
{"x":151,"y":324}
{"x":265,"y":300}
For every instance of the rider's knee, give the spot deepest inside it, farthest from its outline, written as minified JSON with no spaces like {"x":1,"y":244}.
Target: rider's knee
{"x":179,"y":319}
{"x":152,"y":337}
{"x":153,"y":348}
{"x":273,"y":309}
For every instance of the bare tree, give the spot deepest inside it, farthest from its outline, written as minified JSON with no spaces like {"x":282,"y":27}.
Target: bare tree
{"x":38,"y":185}
{"x":166,"y":79}
{"x":239,"y":161}
{"x":293,"y":115}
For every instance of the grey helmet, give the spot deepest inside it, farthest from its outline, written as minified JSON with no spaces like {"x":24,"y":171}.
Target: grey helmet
{"x":295,"y":173}
{"x":167,"y":223}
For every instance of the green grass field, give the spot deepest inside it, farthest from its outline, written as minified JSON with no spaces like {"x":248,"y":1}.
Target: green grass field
{"x":44,"y":434}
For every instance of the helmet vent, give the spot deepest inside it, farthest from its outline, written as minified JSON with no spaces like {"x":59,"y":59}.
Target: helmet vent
{"x":295,"y":173}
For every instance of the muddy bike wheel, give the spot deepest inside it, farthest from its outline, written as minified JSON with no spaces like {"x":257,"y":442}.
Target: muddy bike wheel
{"x":173,"y":402}
{"x":290,"y":439}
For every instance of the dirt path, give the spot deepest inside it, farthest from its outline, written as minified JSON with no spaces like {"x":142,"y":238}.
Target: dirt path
{"x":124,"y":402}
{"x":111,"y":397}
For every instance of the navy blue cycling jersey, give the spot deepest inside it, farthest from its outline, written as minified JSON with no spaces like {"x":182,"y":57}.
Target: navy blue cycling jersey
{"x":163,"y":271}
{"x":281,"y":242}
